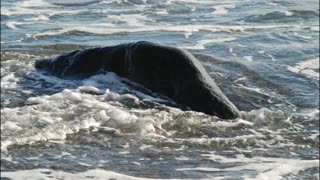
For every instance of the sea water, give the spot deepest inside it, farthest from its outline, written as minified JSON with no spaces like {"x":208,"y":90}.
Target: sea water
{"x":264,"y":55}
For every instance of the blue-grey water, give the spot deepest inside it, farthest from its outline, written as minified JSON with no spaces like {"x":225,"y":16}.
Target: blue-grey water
{"x":264,"y":55}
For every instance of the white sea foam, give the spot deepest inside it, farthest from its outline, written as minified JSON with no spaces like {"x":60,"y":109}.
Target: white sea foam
{"x":110,"y":29}
{"x":271,"y":57}
{"x":10,"y":125}
{"x":315,"y":28}
{"x":267,"y":168}
{"x":223,"y":9}
{"x":9,"y":81}
{"x":89,"y":89}
{"x":62,"y":113}
{"x":254,"y":137}
{"x":43,"y":174}
{"x":162,"y":12}
{"x":12,"y":25}
{"x":21,"y":10}
{"x":202,"y":43}
{"x":38,"y":18}
{"x":134,"y":20}
{"x":307,"y":68}
{"x":58,"y":108}
{"x":33,"y":3}
{"x":302,"y":36}
{"x":139,"y":26}
{"x":248,"y":58}
{"x":256,"y":90}
{"x":287,"y":13}
{"x":98,"y":174}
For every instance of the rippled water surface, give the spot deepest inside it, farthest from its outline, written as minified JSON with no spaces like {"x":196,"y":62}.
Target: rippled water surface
{"x":263,"y":54}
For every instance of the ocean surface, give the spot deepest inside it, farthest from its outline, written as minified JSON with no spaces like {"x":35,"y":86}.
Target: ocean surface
{"x":264,"y":55}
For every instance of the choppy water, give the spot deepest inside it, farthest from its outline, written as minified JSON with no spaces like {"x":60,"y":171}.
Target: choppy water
{"x":263,"y":54}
